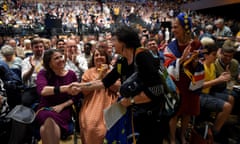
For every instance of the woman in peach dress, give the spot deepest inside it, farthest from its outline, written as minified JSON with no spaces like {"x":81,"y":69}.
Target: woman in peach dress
{"x":92,"y":127}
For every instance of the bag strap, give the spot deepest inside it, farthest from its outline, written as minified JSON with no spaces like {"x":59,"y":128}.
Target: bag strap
{"x":133,"y":131}
{"x":140,"y":49}
{"x":186,"y":70}
{"x":163,"y":75}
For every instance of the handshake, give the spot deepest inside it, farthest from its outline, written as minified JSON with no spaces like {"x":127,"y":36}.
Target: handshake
{"x":75,"y":88}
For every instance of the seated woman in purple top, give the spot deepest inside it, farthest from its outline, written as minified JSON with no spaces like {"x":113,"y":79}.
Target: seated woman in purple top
{"x":55,"y":108}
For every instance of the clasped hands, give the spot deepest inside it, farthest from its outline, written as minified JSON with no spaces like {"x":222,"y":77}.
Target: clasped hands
{"x":74,"y":88}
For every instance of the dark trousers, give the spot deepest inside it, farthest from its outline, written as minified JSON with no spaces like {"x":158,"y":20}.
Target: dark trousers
{"x":151,"y":128}
{"x":5,"y":130}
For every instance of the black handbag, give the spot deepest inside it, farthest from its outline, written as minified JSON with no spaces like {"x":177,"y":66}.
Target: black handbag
{"x":22,"y":124}
{"x":132,"y":86}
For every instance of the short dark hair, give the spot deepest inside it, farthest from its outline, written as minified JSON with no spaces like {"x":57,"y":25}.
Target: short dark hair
{"x":60,"y":40}
{"x":129,"y":36}
{"x":37,"y":40}
{"x":88,"y":44}
{"x":210,"y":48}
{"x":152,"y":39}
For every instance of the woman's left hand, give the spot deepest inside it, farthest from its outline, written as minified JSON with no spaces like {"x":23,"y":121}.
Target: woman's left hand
{"x":57,"y":108}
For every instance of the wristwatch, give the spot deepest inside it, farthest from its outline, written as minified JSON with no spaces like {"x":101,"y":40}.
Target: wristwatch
{"x":132,"y":101}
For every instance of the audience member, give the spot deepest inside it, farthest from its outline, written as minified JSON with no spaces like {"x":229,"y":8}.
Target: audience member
{"x":54,"y":113}
{"x":74,"y":60}
{"x":86,"y":21}
{"x":178,"y":52}
{"x":237,"y":44}
{"x":223,"y":32}
{"x":60,"y":44}
{"x":30,"y":67}
{"x":211,"y":101}
{"x":18,"y":50}
{"x":208,"y":32}
{"x":88,"y":53}
{"x":226,"y":62}
{"x":47,"y":43}
{"x":12,"y":83}
{"x":4,"y":110}
{"x":14,"y":62}
{"x":126,"y":41}
{"x":92,"y":123}
{"x":27,"y":48}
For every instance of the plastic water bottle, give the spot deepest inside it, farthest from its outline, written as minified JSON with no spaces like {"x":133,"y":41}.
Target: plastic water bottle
{"x":167,"y":35}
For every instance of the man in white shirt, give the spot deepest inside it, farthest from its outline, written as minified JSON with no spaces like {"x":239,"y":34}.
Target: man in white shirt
{"x":30,"y":67}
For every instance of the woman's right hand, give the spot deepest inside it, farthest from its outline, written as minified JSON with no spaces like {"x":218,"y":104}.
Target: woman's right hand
{"x":185,"y":53}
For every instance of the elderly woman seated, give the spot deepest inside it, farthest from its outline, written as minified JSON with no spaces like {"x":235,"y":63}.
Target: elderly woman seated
{"x":14,"y":62}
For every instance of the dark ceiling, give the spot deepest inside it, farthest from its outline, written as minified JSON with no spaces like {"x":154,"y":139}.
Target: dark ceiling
{"x":227,"y":11}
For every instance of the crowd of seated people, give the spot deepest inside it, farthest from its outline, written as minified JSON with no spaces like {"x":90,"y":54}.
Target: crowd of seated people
{"x":24,"y":54}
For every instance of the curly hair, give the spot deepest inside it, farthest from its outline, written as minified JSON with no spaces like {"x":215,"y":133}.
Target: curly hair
{"x":129,"y":36}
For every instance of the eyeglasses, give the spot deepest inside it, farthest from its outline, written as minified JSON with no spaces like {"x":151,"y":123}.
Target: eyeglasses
{"x":227,"y":55}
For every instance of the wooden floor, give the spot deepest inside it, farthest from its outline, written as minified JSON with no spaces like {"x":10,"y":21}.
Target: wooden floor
{"x":70,"y":140}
